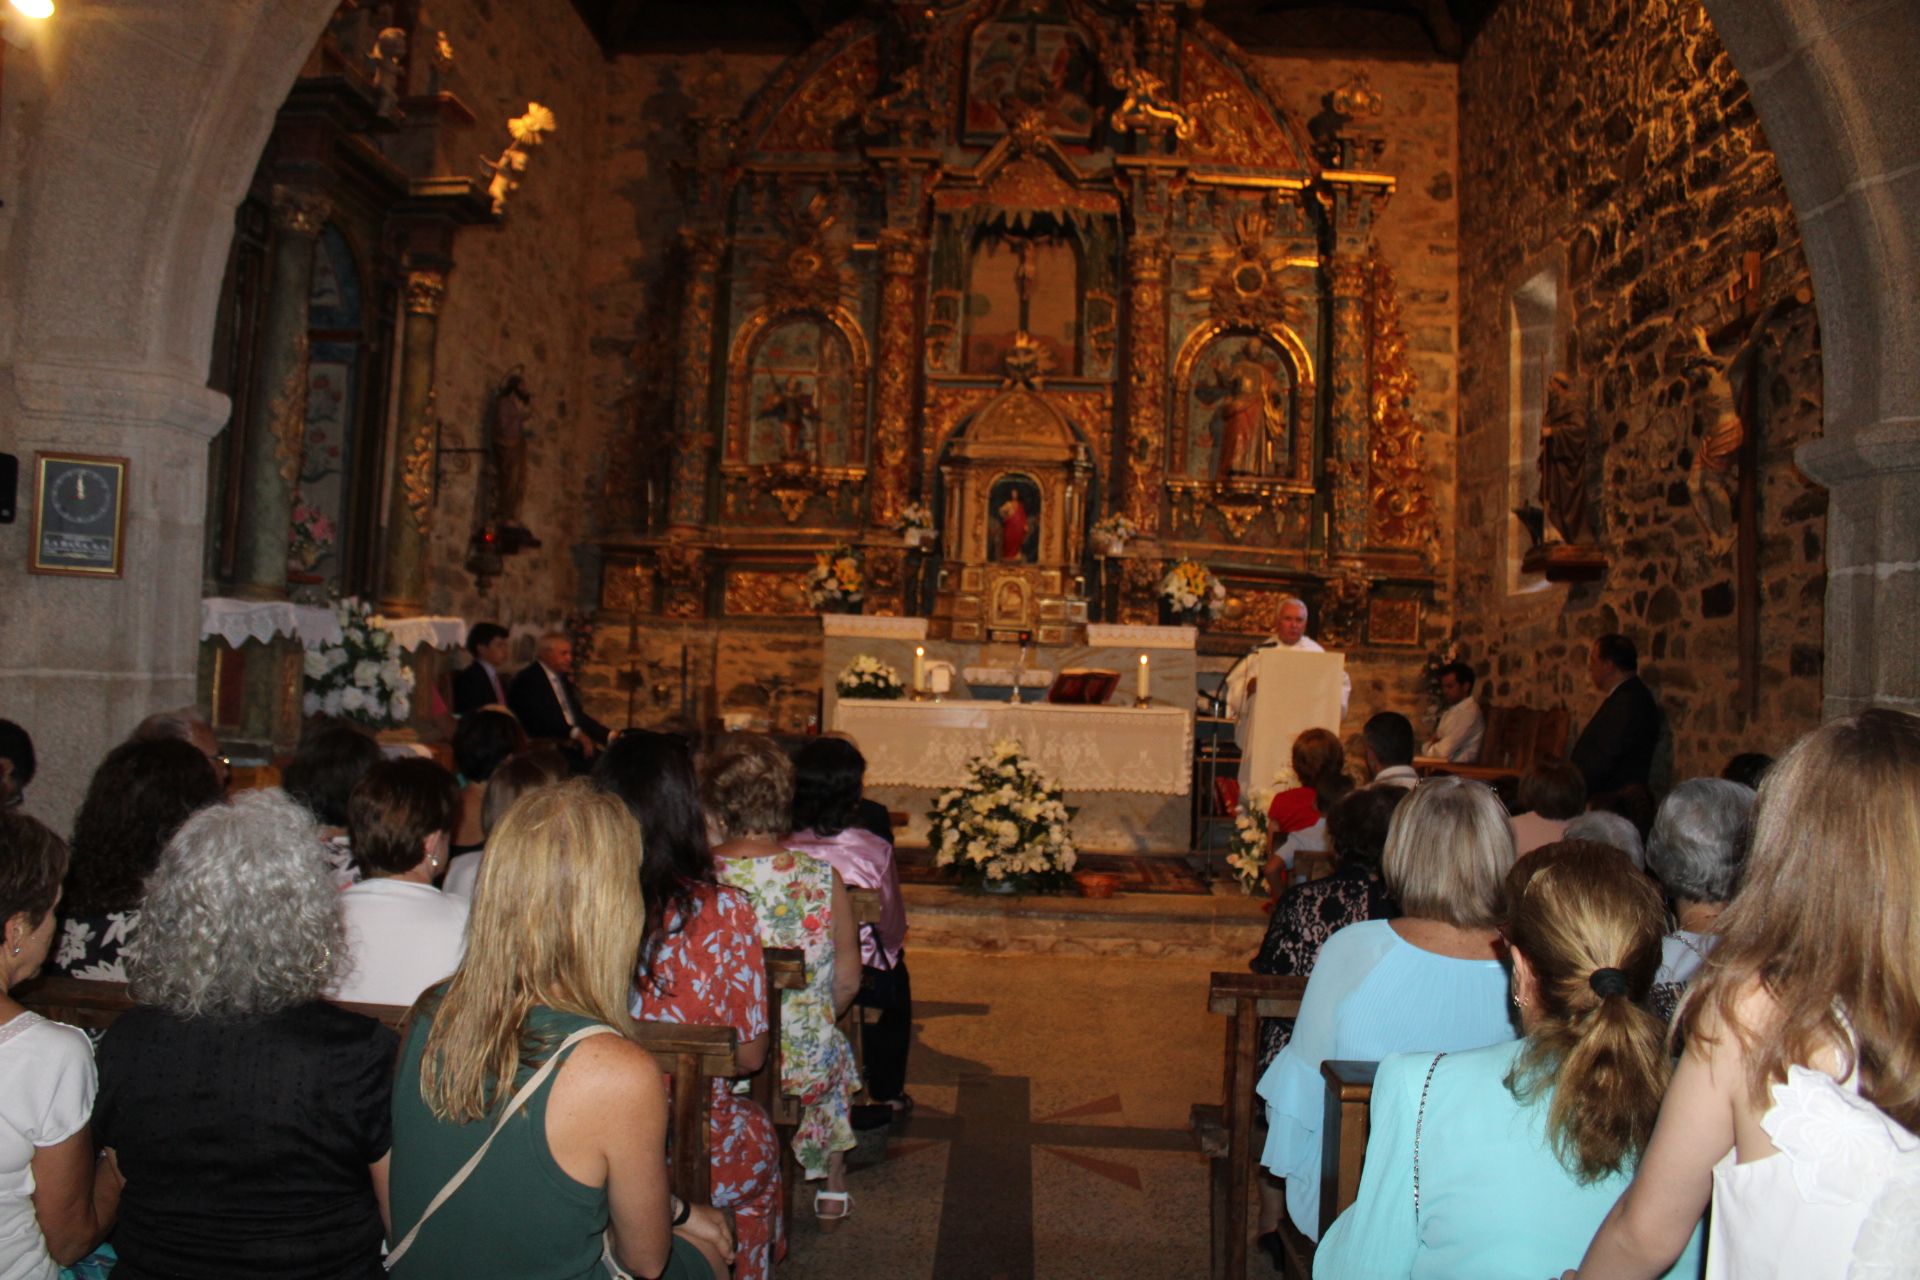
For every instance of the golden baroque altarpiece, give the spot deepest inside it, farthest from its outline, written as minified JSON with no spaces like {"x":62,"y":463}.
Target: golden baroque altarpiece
{"x":1032,"y":264}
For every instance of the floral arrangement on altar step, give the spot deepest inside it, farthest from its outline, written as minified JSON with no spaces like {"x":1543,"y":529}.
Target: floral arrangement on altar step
{"x":1191,"y":591}
{"x":868,"y":677}
{"x":835,"y":583}
{"x":1005,"y":824}
{"x":1109,"y":537}
{"x":361,"y":678}
{"x":1247,"y":850}
{"x":916,"y":525}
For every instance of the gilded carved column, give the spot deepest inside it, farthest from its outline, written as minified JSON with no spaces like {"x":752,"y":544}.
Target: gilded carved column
{"x":1347,"y":409}
{"x":403,"y":578}
{"x":1146,"y":380}
{"x":901,"y":257}
{"x":693,"y":399}
{"x":277,"y":415}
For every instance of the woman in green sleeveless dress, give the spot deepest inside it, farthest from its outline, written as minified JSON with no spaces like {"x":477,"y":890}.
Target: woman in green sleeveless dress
{"x":581,"y":1165}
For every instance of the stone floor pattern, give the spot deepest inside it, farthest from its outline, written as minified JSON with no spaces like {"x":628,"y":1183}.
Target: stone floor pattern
{"x":1050,"y":1139}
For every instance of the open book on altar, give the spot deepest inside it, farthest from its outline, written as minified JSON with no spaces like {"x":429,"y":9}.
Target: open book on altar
{"x":1085,"y":686}
{"x":1297,"y":690}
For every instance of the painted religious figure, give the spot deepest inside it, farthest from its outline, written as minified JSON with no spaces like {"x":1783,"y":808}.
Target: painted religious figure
{"x":1563,"y":463}
{"x":799,"y":396}
{"x":792,"y":405}
{"x":1030,"y":58}
{"x":1246,"y":390}
{"x":507,"y":440}
{"x":1013,"y":529}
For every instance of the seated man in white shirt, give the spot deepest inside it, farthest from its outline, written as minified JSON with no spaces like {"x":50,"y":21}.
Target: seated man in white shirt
{"x":1463,"y":725}
{"x":403,"y":935}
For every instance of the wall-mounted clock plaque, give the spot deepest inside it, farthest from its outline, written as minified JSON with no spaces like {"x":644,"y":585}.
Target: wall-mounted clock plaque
{"x":79,"y":514}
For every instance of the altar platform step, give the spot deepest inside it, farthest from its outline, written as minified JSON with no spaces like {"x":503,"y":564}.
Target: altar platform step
{"x":1221,"y":925}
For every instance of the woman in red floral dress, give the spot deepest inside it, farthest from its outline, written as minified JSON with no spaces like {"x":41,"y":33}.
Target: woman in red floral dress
{"x":700,"y":964}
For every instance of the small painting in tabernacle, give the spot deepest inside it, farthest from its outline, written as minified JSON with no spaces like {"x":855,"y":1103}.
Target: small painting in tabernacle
{"x":1013,"y":522}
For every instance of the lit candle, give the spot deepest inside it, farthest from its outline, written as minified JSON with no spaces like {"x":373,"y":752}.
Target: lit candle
{"x":1140,"y":684}
{"x":919,"y":667}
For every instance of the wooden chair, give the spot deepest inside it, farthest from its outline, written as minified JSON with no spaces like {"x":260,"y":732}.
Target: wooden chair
{"x":786,"y":970}
{"x":1225,"y":1132}
{"x":693,"y":1056}
{"x":1515,"y":738}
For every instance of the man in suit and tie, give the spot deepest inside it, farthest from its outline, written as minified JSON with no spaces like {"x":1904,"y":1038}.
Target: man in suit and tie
{"x":479,"y":683}
{"x":1616,"y":748}
{"x":549,"y":706}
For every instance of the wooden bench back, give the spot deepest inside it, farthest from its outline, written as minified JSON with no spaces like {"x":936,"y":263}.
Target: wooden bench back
{"x":693,"y":1056}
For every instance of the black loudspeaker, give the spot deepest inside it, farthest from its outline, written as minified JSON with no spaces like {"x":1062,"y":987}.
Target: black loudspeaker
{"x":9,"y":487}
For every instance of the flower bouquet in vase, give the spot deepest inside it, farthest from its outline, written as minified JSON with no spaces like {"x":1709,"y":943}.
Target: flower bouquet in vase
{"x":835,"y":583}
{"x":1109,"y":537}
{"x":308,"y":542}
{"x":1190,"y":594}
{"x":868,"y":677}
{"x":916,"y":525}
{"x":1252,"y":833}
{"x":362,"y":677}
{"x":1006,"y":827}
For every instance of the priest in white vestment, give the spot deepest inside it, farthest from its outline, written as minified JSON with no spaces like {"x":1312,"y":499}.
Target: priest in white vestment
{"x":1242,"y":685}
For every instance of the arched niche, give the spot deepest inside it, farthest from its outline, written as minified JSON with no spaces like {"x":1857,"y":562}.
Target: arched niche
{"x":1243,"y":407}
{"x":797,"y":392}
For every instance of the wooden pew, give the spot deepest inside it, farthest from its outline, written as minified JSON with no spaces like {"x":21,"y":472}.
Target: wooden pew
{"x":1514,"y":739}
{"x":786,"y":970}
{"x":692,"y":1056}
{"x":1343,"y":1135}
{"x":866,"y":911}
{"x":1225,"y":1132}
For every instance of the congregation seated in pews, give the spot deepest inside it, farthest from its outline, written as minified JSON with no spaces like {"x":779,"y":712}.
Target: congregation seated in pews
{"x":1581,"y":1137}
{"x":268,"y":1096}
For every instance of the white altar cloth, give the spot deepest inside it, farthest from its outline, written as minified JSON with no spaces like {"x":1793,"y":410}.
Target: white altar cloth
{"x":1107,"y":748}
{"x":238,"y":621}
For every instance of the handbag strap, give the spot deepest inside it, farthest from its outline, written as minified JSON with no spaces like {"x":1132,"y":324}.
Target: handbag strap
{"x":520,"y":1098}
{"x":1419,"y":1124}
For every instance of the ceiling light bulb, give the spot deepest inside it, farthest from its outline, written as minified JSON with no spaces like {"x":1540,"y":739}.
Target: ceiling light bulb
{"x":35,"y":8}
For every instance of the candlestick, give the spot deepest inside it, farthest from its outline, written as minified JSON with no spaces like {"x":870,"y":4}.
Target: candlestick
{"x":1142,"y":682}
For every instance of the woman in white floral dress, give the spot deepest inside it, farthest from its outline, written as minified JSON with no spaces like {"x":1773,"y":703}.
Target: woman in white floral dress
{"x":747,"y":785}
{"x":138,"y":798}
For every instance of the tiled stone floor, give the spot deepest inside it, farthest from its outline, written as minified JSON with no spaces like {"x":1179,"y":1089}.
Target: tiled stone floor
{"x":1050,"y":1140}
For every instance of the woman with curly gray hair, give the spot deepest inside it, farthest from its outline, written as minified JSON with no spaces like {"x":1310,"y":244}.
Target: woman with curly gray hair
{"x":250,"y":1117}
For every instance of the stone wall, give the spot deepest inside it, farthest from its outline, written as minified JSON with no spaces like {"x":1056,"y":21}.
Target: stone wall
{"x":513,"y":299}
{"x":1639,"y":169}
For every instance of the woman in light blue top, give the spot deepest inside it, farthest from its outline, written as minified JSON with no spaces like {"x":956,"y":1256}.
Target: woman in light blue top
{"x":1426,"y":980}
{"x":1501,"y":1161}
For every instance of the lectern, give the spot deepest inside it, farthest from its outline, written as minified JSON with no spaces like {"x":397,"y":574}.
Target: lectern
{"x":1297,"y":690}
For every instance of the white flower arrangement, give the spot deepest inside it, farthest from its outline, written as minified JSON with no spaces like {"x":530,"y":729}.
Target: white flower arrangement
{"x":1006,"y":821}
{"x":360,"y":678}
{"x":868,"y":677}
{"x":915,"y":515}
{"x":835,"y":581}
{"x":1117,"y":527}
{"x":1247,"y":851}
{"x":1190,"y":589}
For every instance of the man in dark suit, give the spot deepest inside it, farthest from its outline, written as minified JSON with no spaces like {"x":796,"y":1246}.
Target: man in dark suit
{"x":549,"y":706}
{"x":480,"y":683}
{"x":1616,"y":748}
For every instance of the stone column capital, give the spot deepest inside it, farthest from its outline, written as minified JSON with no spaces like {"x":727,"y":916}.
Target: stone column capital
{"x":300,"y":211}
{"x":425,"y":289}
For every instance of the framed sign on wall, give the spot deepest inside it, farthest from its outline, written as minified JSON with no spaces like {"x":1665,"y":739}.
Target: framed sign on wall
{"x":79,"y":514}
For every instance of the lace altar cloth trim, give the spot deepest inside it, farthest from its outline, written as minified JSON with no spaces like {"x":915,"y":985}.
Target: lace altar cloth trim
{"x":919,"y":744}
{"x":432,"y":633}
{"x":238,"y":621}
{"x":859,"y":624}
{"x":1108,"y":635}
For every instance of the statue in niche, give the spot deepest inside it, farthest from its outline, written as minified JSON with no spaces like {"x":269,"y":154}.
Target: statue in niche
{"x":1250,"y":419}
{"x":1563,"y":463}
{"x":507,"y":437}
{"x":1014,"y":530}
{"x":388,"y":60}
{"x":793,"y":406}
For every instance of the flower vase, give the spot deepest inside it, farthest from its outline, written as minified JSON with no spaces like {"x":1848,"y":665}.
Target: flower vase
{"x":1172,"y":617}
{"x":1006,"y":886}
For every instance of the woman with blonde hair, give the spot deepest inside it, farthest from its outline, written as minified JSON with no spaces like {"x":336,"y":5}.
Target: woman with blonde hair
{"x":1500,"y":1161}
{"x":533,"y":1028}
{"x":1796,"y":1104}
{"x":1426,"y":980}
{"x":800,"y":901}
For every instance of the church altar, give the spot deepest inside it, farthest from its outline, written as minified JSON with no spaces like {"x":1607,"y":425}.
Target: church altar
{"x":1127,"y":771}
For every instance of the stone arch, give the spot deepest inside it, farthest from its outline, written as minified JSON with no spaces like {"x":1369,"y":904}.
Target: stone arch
{"x":1832,"y":86}
{"x":143,"y":124}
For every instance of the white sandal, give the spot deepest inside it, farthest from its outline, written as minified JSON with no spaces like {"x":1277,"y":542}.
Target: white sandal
{"x":827,"y":1199}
